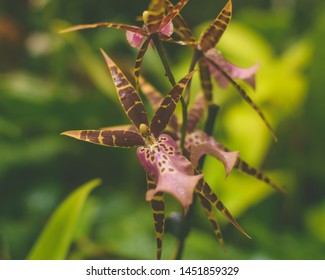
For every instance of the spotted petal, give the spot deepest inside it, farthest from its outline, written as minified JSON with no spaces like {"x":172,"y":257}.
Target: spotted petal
{"x":214,"y":32}
{"x":129,"y":98}
{"x":164,"y":113}
{"x":111,"y":138}
{"x":170,"y":170}
{"x":245,"y":74}
{"x":199,"y":144}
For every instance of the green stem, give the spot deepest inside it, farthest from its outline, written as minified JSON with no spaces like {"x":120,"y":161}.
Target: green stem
{"x":163,"y":57}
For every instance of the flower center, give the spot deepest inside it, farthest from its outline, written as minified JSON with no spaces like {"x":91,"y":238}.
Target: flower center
{"x":149,"y":139}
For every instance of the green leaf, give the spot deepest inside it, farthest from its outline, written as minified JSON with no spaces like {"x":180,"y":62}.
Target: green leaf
{"x":56,"y":237}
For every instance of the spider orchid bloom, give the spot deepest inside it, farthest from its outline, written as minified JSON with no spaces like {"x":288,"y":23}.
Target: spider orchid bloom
{"x":155,"y":23}
{"x":212,"y":63}
{"x":167,"y":170}
{"x":197,"y":143}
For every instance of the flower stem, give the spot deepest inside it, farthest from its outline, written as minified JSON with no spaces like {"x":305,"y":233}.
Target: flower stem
{"x":163,"y":57}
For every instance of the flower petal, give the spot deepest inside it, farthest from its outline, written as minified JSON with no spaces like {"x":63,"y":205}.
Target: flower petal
{"x":131,"y":28}
{"x":135,"y":39}
{"x":196,"y":112}
{"x":158,"y":211}
{"x":214,"y":32}
{"x":111,"y":138}
{"x":181,"y":27}
{"x":172,"y":172}
{"x":168,"y":29}
{"x":199,"y":144}
{"x":167,"y":107}
{"x":235,"y":72}
{"x":129,"y":98}
{"x":172,"y":13}
{"x":139,"y":59}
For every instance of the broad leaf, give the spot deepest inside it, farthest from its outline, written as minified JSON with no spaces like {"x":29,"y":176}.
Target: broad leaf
{"x":55,"y":239}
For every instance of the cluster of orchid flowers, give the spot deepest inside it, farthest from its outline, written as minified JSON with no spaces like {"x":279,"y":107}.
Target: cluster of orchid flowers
{"x":169,"y":151}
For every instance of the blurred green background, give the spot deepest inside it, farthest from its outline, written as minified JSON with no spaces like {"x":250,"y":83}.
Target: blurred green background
{"x":51,"y":82}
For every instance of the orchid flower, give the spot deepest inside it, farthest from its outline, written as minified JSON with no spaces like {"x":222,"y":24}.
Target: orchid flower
{"x":211,"y":61}
{"x":167,"y":170}
{"x":198,"y":143}
{"x":155,"y":23}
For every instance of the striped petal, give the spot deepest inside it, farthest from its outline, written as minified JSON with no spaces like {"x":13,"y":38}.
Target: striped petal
{"x":155,"y":98}
{"x":172,"y":172}
{"x":129,"y":98}
{"x":154,"y":16}
{"x":180,"y":26}
{"x":164,"y":113}
{"x":212,"y":219}
{"x":173,"y":12}
{"x":131,"y":28}
{"x":214,"y":32}
{"x":139,"y":59}
{"x":245,"y":74}
{"x":196,"y":112}
{"x":205,"y":79}
{"x":204,"y":190}
{"x":246,"y":168}
{"x":158,"y":211}
{"x":245,"y":97}
{"x":110,"y":138}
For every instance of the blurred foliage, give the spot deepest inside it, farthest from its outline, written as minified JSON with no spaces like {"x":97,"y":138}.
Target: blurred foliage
{"x":51,"y":83}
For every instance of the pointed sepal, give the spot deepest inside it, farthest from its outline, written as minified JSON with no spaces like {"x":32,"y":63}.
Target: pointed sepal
{"x":246,"y":168}
{"x":110,"y":138}
{"x":154,"y":16}
{"x":196,"y":112}
{"x":205,"y":79}
{"x":204,"y":189}
{"x":180,"y":26}
{"x":139,"y":59}
{"x":158,"y":212}
{"x":164,"y":113}
{"x":244,"y":95}
{"x":129,"y":98}
{"x":212,"y":219}
{"x":214,"y":32}
{"x":173,"y":12}
{"x":155,"y":98}
{"x":126,"y":27}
